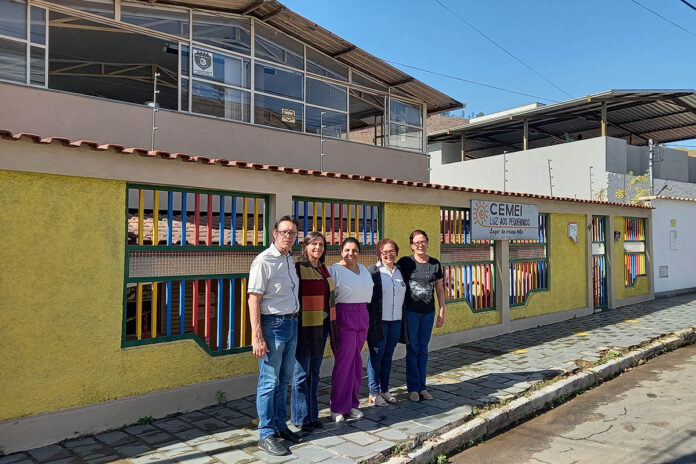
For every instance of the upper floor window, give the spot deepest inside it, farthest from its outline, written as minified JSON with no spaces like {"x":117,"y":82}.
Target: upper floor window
{"x":167,"y":20}
{"x":98,"y":7}
{"x":222,"y":31}
{"x":275,"y":46}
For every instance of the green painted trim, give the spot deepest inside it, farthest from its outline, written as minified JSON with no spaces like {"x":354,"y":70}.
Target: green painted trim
{"x":635,"y":280}
{"x":186,"y":336}
{"x":131,"y":280}
{"x":341,"y":201}
{"x":168,"y":188}
{"x":267,"y":222}
{"x":528,"y":296}
{"x":126,"y":266}
{"x":258,"y":248}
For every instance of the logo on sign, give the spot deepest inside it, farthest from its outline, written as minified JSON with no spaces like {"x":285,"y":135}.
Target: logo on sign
{"x":203,"y":63}
{"x":481,"y":214}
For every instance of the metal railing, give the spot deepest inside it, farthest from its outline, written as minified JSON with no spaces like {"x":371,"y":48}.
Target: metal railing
{"x":529,"y":265}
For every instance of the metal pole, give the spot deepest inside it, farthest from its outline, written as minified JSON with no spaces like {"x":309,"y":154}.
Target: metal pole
{"x":591,"y":182}
{"x":321,"y":136}
{"x":650,"y":166}
{"x":550,"y":177}
{"x":505,"y":172}
{"x":155,"y":109}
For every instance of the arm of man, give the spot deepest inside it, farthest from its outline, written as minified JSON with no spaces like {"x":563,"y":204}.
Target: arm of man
{"x":440,"y":290}
{"x":258,"y":343}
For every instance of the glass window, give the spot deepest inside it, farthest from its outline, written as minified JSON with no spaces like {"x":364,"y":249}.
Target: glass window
{"x":98,"y":7}
{"x":184,"y":94}
{"x":38,"y":66}
{"x":275,"y":46}
{"x":38,"y":25}
{"x":366,"y":112}
{"x":170,"y":21}
{"x":335,"y":123}
{"x":220,"y":101}
{"x":89,"y":59}
{"x":218,"y":67}
{"x":278,"y":81}
{"x":324,"y":94}
{"x":405,"y":113}
{"x":359,"y":79}
{"x":276,"y":112}
{"x":318,"y":63}
{"x":13,"y":18}
{"x":13,"y":61}
{"x":185,"y":60}
{"x":223,"y":32}
{"x":409,"y":138}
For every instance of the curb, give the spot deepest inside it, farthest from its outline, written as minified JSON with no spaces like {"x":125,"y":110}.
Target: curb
{"x":449,"y":438}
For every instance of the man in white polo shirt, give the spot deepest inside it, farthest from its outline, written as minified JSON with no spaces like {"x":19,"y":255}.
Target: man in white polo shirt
{"x":273,"y":309}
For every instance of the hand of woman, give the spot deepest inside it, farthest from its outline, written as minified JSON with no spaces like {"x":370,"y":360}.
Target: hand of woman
{"x":440,"y":318}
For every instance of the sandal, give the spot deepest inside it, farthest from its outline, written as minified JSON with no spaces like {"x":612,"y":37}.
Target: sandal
{"x":377,"y":400}
{"x":389,"y":397}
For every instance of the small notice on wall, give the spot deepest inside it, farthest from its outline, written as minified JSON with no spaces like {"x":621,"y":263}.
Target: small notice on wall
{"x":573,"y":231}
{"x":288,"y":115}
{"x":495,"y":220}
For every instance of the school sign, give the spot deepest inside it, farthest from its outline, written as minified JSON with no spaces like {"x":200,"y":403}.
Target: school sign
{"x":495,"y":220}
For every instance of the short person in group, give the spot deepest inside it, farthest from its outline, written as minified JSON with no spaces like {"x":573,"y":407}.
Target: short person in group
{"x":423,"y":276}
{"x":317,"y":320}
{"x":353,"y":292}
{"x":385,"y":320}
{"x":273,"y":310}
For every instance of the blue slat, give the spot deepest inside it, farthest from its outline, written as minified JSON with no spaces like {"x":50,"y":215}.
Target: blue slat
{"x":230,"y":327}
{"x":218,"y":312}
{"x":182,"y":283}
{"x":305,"y":229}
{"x":221,"y":225}
{"x":364,"y":213}
{"x":233,"y":222}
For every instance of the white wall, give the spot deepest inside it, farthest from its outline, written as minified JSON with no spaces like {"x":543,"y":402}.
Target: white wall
{"x":679,"y":258}
{"x":527,"y":171}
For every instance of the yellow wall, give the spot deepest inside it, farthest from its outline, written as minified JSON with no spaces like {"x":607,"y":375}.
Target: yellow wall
{"x":399,"y":220}
{"x":567,"y":266}
{"x":62,"y":302}
{"x":640,"y":285}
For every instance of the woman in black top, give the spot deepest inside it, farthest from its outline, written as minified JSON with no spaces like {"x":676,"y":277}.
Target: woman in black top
{"x":423,"y":276}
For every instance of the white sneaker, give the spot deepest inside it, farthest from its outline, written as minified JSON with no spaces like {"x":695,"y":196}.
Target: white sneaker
{"x":337,"y":417}
{"x":356,"y":413}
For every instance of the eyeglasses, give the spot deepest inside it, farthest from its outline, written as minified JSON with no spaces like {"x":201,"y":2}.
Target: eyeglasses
{"x":387,"y":252}
{"x":287,"y":233}
{"x":420,"y":244}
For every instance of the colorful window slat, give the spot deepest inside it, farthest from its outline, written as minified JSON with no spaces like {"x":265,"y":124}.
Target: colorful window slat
{"x":599,"y":262}
{"x":337,"y":220}
{"x":468,"y":265}
{"x":529,"y":265}
{"x":634,"y":250}
{"x":187,"y":261}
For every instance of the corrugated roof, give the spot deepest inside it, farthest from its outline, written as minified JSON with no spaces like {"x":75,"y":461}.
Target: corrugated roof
{"x":633,"y":115}
{"x":165,"y":155}
{"x":279,"y":16}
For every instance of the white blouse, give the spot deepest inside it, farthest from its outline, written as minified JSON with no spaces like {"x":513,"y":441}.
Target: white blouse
{"x":393,"y":292}
{"x":351,"y":287}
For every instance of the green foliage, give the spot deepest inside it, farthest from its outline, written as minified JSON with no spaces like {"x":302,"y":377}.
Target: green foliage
{"x":221,"y":397}
{"x":145,"y":420}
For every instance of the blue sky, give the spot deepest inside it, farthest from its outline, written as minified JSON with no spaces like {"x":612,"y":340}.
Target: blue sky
{"x":583,"y":47}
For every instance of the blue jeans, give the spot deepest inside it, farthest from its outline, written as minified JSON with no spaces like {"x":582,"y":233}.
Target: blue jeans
{"x":275,"y":371}
{"x":304,"y":408}
{"x":380,"y":362}
{"x":420,"y":327}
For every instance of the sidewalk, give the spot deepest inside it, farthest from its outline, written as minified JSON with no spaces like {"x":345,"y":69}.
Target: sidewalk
{"x":460,"y":378}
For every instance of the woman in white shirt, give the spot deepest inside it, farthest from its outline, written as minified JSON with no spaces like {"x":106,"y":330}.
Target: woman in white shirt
{"x":353,"y":292}
{"x":385,"y":311}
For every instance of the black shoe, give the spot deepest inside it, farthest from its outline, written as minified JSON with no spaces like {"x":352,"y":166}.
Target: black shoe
{"x":317,"y":424}
{"x":307,"y":428}
{"x":289,"y":435}
{"x":273,"y":446}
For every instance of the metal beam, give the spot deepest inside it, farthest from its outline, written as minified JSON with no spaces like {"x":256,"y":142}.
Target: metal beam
{"x":525,"y":134}
{"x":687,"y":107}
{"x":604,"y":120}
{"x":272,"y":13}
{"x":401,"y":82}
{"x":252,"y":7}
{"x":343,"y":52}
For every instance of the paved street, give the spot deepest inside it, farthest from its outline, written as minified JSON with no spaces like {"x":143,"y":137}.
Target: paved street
{"x":646,"y":416}
{"x":460,"y":378}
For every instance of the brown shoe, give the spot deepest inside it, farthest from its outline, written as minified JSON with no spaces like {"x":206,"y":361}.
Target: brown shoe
{"x":414,"y":396}
{"x":425,"y":395}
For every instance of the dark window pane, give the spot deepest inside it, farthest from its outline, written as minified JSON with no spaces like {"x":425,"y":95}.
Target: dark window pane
{"x":325,"y":66}
{"x":278,"y":81}
{"x":38,"y":25}
{"x":99,"y":7}
{"x":37,"y":72}
{"x":335,"y":123}
{"x":277,"y":47}
{"x":405,"y":137}
{"x":185,"y":60}
{"x":325,"y":94}
{"x":170,"y":21}
{"x":276,"y":112}
{"x":367,"y":82}
{"x":405,"y":113}
{"x":221,"y":68}
{"x":220,"y":101}
{"x":13,"y":18}
{"x":223,"y":31}
{"x":100,"y":60}
{"x":13,"y":61}
{"x":366,"y":118}
{"x":184,"y":94}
